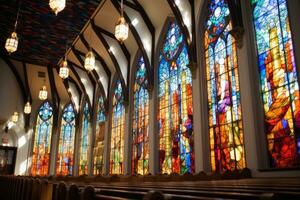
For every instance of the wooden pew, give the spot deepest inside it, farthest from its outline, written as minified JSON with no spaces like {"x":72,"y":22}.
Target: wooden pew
{"x":73,"y":192}
{"x":61,"y":191}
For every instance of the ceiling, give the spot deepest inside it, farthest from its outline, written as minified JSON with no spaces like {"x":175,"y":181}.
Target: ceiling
{"x":43,"y":39}
{"x":42,"y":34}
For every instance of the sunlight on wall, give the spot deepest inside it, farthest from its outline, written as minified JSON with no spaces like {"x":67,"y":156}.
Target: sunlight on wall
{"x":23,"y":167}
{"x":22,"y":141}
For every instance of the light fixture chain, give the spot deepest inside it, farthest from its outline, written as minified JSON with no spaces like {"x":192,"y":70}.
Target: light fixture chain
{"x":122,"y":8}
{"x":18,"y":13}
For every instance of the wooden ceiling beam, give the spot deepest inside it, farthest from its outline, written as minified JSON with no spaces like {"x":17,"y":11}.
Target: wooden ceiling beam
{"x":111,"y":35}
{"x":98,"y":57}
{"x":189,"y":41}
{"x":137,"y":38}
{"x":113,"y":58}
{"x":54,"y":94}
{"x":96,"y":77}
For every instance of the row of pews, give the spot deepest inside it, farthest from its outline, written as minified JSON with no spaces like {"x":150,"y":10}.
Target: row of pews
{"x":187,"y":187}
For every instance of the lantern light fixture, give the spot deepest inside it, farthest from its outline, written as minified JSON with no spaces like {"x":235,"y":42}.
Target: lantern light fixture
{"x":11,"y":44}
{"x":122,"y":28}
{"x":43,"y":94}
{"x":57,"y":5}
{"x":89,"y":62}
{"x":27,"y":108}
{"x":15,"y":117}
{"x":64,"y":70}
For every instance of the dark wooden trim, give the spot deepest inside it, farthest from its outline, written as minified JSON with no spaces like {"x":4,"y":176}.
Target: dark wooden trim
{"x":98,"y":57}
{"x":71,"y":80}
{"x":236,"y":13}
{"x":85,"y":95}
{"x":79,"y":58}
{"x":184,"y":30}
{"x":131,"y":5}
{"x":93,"y":81}
{"x":150,"y":26}
{"x":106,"y":69}
{"x":17,"y":76}
{"x":29,"y":96}
{"x":83,"y":90}
{"x":66,"y":84}
{"x":113,"y":58}
{"x":94,"y":72}
{"x":111,"y":35}
{"x":55,"y":96}
{"x":139,"y":42}
{"x":193,"y":15}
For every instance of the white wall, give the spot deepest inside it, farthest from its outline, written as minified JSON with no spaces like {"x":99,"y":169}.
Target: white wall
{"x":11,"y":101}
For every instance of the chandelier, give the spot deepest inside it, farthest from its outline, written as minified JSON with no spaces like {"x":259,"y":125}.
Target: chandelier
{"x":15,"y":117}
{"x":43,"y":94}
{"x":57,"y":5}
{"x":89,"y":62}
{"x":27,"y":108}
{"x":121,"y":29}
{"x":64,"y":70}
{"x":11,"y":44}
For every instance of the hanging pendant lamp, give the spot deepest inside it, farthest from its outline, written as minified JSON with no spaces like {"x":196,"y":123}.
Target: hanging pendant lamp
{"x":122,"y":28}
{"x":57,"y":5}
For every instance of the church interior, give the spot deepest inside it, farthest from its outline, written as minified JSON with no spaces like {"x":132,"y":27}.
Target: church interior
{"x":149,"y":99}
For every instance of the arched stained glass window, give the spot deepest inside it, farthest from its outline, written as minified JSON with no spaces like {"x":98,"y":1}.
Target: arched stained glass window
{"x":117,"y":132}
{"x":279,"y":81}
{"x":65,"y":154}
{"x":99,"y":141}
{"x":85,"y":141}
{"x":140,"y":124}
{"x":224,"y":102}
{"x":175,"y":110}
{"x":42,"y":141}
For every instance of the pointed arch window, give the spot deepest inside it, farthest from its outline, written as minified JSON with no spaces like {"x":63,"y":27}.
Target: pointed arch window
{"x":175,"y":110}
{"x":224,"y":103}
{"x":117,"y":132}
{"x":279,"y":81}
{"x":85,"y":141}
{"x":99,"y":141}
{"x":140,"y":124}
{"x":65,"y":154}
{"x":42,"y":141}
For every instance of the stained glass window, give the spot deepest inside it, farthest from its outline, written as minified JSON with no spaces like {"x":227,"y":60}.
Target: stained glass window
{"x":175,"y":110}
{"x":117,"y":132}
{"x":279,"y":81}
{"x":85,"y":141}
{"x":140,"y":124}
{"x":65,"y":153}
{"x":42,"y":141}
{"x":224,"y":102}
{"x":99,"y":140}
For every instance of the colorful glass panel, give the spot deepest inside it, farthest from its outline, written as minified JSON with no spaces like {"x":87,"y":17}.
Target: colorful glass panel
{"x":279,"y":81}
{"x":175,"y":108}
{"x":224,"y":102}
{"x":99,"y":141}
{"x":42,"y":141}
{"x":85,"y":141}
{"x":140,"y":131}
{"x":117,"y":132}
{"x":65,"y":153}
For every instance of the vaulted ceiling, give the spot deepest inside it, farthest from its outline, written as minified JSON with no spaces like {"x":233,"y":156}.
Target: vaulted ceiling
{"x":87,"y":24}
